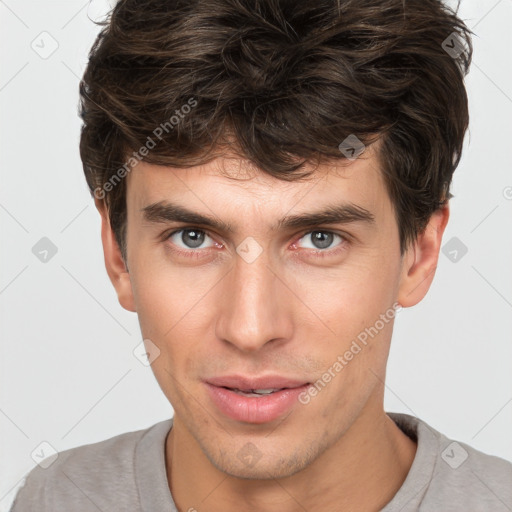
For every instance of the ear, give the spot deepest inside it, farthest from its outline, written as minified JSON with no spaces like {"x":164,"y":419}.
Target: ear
{"x":114,"y":263}
{"x":420,"y":260}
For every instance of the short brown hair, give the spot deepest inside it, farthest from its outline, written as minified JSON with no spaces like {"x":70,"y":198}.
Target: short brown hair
{"x":283,"y":82}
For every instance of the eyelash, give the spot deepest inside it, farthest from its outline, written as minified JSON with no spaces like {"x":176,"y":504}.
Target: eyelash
{"x":317,"y":253}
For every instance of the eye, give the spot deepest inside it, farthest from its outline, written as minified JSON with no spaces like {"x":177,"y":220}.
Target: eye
{"x":321,"y":240}
{"x":190,"y":238}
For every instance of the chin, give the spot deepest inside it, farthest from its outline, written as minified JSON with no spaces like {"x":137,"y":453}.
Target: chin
{"x":261,"y":472}
{"x":249,"y":463}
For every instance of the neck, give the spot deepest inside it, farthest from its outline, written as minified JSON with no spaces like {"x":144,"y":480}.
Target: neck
{"x":363,"y":470}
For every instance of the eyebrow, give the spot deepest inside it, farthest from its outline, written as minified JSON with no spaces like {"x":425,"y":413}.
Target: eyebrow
{"x":344,"y":213}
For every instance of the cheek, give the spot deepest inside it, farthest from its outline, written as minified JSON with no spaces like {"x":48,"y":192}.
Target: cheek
{"x":350,"y":296}
{"x":348,"y":303}
{"x":176,"y":309}
{"x":168,"y":310}
{"x":165,"y":294}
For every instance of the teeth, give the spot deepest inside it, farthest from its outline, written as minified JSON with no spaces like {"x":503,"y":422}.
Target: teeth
{"x":256,"y":392}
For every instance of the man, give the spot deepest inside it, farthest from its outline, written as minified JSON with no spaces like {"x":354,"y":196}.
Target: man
{"x":273,"y":181}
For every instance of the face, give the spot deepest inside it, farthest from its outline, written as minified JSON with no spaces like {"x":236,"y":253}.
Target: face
{"x":257,"y":296}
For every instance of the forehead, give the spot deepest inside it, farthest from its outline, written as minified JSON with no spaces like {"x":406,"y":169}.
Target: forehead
{"x":231,"y":187}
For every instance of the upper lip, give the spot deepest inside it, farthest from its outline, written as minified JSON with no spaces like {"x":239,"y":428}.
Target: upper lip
{"x":247,"y":383}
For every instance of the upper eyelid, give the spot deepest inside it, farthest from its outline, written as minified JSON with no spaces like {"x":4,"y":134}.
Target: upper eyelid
{"x":191,"y":228}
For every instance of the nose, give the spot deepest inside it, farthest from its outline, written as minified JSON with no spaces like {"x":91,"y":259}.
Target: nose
{"x":254,"y":305}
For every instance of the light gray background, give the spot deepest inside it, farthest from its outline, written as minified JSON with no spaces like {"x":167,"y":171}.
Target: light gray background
{"x":68,"y":375}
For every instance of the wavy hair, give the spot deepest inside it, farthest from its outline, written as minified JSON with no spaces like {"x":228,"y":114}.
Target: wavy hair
{"x":281,"y":83}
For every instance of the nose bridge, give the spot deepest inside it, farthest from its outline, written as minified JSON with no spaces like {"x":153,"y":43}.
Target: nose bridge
{"x":251,"y":313}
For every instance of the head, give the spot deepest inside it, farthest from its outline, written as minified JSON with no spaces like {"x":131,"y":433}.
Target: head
{"x":239,"y":119}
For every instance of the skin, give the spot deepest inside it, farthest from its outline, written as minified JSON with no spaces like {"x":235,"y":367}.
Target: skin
{"x":290,"y":312}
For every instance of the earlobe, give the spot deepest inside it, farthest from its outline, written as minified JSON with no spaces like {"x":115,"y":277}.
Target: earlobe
{"x":114,"y":263}
{"x":420,"y":260}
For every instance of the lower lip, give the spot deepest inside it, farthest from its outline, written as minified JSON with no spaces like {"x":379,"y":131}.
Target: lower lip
{"x":253,"y":409}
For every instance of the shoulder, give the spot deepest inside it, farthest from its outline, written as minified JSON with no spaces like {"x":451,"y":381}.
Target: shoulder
{"x":452,"y":476}
{"x":471,"y":478}
{"x":84,"y":477}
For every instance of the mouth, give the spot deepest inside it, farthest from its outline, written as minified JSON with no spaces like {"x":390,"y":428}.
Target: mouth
{"x":256,"y":401}
{"x":264,"y":383}
{"x":254,"y":392}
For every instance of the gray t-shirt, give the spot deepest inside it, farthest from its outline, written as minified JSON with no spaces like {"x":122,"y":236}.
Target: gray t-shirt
{"x":127,"y":473}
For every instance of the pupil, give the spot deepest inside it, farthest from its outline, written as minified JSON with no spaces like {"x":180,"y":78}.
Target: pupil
{"x":322,"y":239}
{"x":196,"y":238}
